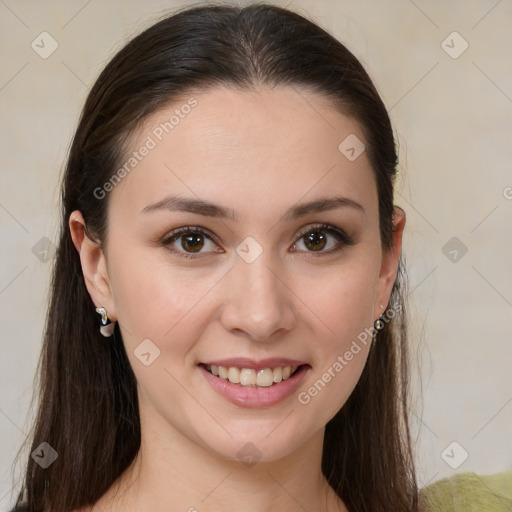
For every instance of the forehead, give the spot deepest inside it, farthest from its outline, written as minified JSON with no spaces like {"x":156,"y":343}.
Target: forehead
{"x":250,"y":147}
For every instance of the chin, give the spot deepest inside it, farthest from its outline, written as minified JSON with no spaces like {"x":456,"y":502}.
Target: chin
{"x":257,"y":444}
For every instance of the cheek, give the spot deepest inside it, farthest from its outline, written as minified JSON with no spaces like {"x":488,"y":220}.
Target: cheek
{"x":338,"y":366}
{"x":344,"y":309}
{"x":155,"y":302}
{"x":343,"y":305}
{"x":152,"y":299}
{"x":326,"y":393}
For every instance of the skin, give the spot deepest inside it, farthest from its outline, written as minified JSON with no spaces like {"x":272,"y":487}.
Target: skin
{"x":259,"y":153}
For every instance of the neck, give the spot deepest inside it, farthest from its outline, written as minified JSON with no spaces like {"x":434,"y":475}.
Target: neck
{"x":172,"y":473}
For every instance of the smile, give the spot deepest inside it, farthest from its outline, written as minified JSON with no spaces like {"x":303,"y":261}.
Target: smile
{"x":265,"y":377}
{"x":263,"y":385}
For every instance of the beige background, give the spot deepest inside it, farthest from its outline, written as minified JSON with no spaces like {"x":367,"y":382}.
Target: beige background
{"x":453,"y":119}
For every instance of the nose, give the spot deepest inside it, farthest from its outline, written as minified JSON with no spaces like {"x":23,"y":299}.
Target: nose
{"x":258,"y":303}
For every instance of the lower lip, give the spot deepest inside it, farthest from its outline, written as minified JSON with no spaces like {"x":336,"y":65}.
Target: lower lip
{"x":245,"y":396}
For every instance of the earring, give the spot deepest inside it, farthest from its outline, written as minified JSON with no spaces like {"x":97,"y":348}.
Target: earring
{"x":106,"y":327}
{"x":378,"y":326}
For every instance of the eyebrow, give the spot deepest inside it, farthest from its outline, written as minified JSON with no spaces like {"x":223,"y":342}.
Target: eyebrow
{"x":202,"y":207}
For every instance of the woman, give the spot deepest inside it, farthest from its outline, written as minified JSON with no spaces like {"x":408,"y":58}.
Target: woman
{"x":227,"y":325}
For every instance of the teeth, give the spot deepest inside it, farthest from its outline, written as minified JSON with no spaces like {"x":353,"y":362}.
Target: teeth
{"x":234,"y":375}
{"x":247,"y":377}
{"x":265,"y":377}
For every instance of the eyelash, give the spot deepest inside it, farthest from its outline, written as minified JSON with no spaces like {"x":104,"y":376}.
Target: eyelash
{"x":340,"y":235}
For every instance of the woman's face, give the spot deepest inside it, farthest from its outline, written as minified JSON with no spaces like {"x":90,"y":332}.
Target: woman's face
{"x":253,"y":282}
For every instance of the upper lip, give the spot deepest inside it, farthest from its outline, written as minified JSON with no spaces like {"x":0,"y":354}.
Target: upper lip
{"x":243,"y":362}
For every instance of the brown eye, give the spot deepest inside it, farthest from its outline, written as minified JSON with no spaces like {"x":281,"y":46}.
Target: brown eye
{"x":193,"y":242}
{"x":187,"y":242}
{"x":316,"y":238}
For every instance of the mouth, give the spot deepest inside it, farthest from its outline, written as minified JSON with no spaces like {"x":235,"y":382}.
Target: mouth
{"x":248,"y":383}
{"x":251,"y":377}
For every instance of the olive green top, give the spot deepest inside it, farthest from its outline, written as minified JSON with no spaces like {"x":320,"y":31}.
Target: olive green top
{"x":469,"y":492}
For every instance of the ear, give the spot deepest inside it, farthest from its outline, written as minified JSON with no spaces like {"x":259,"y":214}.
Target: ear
{"x":94,"y":265}
{"x":389,"y":265}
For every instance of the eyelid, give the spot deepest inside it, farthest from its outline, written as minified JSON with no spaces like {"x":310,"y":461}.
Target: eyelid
{"x":326,"y":227}
{"x":189,"y":229}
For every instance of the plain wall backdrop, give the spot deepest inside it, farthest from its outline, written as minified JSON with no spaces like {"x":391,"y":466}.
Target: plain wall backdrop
{"x":444,"y":72}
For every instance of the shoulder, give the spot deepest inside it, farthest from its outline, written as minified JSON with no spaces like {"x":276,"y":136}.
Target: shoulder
{"x":468,"y":492}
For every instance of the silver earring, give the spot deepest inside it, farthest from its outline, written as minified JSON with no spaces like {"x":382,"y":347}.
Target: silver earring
{"x":106,"y":327}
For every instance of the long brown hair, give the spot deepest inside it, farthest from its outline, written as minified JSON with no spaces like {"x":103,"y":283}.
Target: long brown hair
{"x":88,"y":408}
